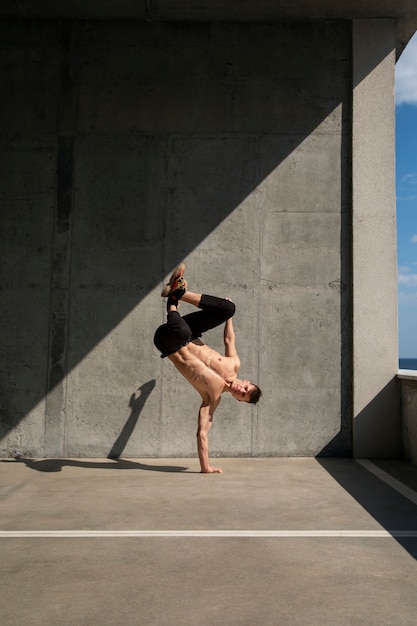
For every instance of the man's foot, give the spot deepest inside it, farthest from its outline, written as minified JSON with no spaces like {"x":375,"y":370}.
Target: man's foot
{"x":176,"y":281}
{"x":174,"y":297}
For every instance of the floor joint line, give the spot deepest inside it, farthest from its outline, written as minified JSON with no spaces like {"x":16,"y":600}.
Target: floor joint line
{"x":78,"y":534}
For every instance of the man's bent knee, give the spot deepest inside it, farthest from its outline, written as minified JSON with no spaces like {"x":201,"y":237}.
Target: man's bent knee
{"x":231,"y":307}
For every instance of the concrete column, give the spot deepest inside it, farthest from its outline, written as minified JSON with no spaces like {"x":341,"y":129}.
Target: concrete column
{"x":376,"y":427}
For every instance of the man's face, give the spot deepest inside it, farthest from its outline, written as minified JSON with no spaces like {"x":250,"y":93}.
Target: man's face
{"x":241,"y":390}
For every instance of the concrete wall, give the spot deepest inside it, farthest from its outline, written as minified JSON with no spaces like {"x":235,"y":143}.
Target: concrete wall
{"x":129,"y":147}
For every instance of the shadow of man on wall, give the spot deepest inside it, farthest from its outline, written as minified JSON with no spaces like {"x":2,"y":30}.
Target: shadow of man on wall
{"x":136,"y":403}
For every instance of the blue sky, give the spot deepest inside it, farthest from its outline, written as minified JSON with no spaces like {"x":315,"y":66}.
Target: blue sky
{"x":406,"y":172}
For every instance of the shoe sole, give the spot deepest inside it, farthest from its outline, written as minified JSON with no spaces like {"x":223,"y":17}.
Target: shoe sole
{"x":176,"y":281}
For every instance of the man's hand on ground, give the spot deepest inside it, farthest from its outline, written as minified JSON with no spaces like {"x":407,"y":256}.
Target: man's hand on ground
{"x":212,"y":470}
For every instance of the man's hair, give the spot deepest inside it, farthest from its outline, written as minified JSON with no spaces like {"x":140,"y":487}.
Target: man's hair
{"x":255,"y":394}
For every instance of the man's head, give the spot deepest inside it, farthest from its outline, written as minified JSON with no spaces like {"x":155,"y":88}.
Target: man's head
{"x":245,"y":391}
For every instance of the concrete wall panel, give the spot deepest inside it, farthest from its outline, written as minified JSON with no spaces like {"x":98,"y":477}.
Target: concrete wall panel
{"x":29,"y":77}
{"x":300,"y":365}
{"x":112,"y":390}
{"x":301,"y":279}
{"x":26,"y":202}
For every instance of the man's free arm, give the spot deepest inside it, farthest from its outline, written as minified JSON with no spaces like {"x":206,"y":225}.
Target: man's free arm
{"x":229,"y":339}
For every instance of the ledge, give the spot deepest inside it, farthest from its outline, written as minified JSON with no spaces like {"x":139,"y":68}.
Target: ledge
{"x":404,"y":12}
{"x":407,"y":374}
{"x":268,"y":10}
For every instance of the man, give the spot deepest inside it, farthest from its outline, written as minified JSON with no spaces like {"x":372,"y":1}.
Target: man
{"x":210,"y":373}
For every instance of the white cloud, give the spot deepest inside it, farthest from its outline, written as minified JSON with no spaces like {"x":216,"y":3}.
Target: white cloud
{"x":410,"y":178}
{"x":406,"y":74}
{"x":406,"y":198}
{"x":414,"y":239}
{"x":405,"y":297}
{"x":408,"y":280}
{"x":404,"y":269}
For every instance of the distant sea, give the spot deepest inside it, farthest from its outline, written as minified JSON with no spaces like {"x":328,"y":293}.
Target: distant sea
{"x":408,"y":364}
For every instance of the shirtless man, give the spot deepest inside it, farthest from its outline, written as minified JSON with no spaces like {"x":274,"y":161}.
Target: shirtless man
{"x":210,"y":373}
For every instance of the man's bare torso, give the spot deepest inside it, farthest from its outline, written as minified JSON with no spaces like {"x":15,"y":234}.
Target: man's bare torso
{"x":205,"y":369}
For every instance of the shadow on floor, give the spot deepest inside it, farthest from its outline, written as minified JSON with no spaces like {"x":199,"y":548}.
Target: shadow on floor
{"x":392,"y":510}
{"x":56,"y":465}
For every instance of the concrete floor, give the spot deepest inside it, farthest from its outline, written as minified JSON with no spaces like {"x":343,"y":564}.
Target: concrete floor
{"x":78,"y":542}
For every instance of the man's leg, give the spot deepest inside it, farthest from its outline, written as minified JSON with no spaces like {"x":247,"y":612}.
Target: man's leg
{"x":214,"y":311}
{"x":175,"y":333}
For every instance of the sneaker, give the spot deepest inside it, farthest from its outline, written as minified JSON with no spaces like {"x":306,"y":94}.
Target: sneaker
{"x":176,"y":281}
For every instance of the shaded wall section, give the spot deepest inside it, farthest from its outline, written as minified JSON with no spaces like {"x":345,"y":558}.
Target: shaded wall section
{"x":407,"y":382}
{"x":129,"y":147}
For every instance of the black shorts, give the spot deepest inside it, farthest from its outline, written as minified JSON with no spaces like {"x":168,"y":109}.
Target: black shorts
{"x":178,"y":331}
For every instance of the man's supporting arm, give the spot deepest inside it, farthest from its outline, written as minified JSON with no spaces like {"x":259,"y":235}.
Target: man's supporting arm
{"x":205,"y":421}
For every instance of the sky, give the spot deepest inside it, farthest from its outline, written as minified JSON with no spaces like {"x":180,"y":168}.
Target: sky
{"x":406,"y":190}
